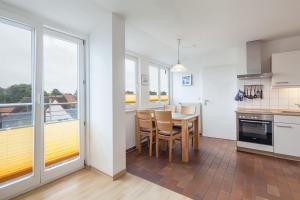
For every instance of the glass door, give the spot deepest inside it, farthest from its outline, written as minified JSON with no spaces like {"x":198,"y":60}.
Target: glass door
{"x":41,"y":108}
{"x":19,"y":168}
{"x":63,"y":119}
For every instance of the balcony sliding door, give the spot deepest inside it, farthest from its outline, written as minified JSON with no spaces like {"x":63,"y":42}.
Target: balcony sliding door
{"x":41,"y":106}
{"x":19,"y":168}
{"x":63,"y":120}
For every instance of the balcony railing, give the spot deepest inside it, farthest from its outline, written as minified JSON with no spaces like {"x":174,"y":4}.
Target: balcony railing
{"x":17,"y":115}
{"x":61,"y":137}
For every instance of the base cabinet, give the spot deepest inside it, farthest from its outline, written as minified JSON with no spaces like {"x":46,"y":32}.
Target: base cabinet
{"x":287,"y":139}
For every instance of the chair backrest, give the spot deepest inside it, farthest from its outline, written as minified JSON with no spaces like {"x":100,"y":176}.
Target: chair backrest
{"x":163,"y":120}
{"x":144,"y":119}
{"x":171,"y":108}
{"x":188,"y":110}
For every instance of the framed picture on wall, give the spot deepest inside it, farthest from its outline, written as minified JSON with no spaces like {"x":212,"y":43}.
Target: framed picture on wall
{"x":187,"y":80}
{"x":144,"y":79}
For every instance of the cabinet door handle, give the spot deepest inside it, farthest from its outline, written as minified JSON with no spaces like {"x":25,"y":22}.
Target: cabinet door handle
{"x":279,"y":126}
{"x":282,"y":82}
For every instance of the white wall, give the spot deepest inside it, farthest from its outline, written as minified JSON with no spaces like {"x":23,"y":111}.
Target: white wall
{"x":270,"y":47}
{"x":191,"y":94}
{"x":130,"y":129}
{"x":107,"y":117}
{"x":230,"y":58}
{"x":118,"y":82}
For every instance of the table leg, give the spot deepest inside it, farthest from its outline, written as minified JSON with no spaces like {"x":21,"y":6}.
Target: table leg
{"x":137,"y":137}
{"x":196,"y":135}
{"x":185,"y":141}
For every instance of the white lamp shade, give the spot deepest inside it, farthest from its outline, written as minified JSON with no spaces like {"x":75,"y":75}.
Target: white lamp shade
{"x":178,"y":68}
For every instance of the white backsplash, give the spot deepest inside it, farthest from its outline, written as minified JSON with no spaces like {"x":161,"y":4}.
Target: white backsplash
{"x":274,"y":98}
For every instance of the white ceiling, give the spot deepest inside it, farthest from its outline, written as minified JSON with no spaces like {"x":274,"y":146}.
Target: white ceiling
{"x":210,"y":24}
{"x":152,"y":26}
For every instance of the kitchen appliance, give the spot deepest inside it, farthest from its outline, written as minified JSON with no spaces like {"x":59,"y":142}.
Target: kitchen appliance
{"x":255,"y":67}
{"x":255,"y":128}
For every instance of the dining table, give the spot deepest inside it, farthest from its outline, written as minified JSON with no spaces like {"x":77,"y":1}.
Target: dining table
{"x":183,"y":120}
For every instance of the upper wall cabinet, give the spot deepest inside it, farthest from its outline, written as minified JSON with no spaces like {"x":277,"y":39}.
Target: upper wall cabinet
{"x":286,"y":69}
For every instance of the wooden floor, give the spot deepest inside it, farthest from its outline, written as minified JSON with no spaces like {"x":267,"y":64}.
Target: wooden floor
{"x":89,"y":184}
{"x":217,"y":171}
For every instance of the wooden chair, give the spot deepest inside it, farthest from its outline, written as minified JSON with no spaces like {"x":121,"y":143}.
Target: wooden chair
{"x":165,"y":130}
{"x":145,"y":127}
{"x":171,"y":108}
{"x":188,"y":110}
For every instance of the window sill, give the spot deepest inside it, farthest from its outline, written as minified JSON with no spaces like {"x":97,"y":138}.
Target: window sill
{"x":130,"y":110}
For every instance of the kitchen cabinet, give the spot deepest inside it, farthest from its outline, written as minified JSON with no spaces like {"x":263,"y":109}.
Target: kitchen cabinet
{"x":287,"y":135}
{"x":286,"y":69}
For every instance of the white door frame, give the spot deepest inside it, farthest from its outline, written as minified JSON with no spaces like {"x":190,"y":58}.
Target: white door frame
{"x":69,"y":166}
{"x":21,"y":184}
{"x":18,"y":186}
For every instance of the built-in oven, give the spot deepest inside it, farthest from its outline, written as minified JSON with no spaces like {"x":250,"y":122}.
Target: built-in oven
{"x":255,"y":128}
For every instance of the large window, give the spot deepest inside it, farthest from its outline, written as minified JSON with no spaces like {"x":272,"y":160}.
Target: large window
{"x":158,"y":84}
{"x":16,"y":107}
{"x":130,"y":80}
{"x":164,"y":85}
{"x":61,"y":95}
{"x":42,"y":91}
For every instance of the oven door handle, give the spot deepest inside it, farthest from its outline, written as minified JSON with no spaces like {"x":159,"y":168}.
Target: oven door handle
{"x":252,"y":121}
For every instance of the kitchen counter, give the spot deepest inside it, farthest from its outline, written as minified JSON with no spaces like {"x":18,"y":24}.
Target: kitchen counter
{"x":287,"y":112}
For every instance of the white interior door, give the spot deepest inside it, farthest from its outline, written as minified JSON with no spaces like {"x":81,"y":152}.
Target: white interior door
{"x":219,"y":89}
{"x":63,"y":105}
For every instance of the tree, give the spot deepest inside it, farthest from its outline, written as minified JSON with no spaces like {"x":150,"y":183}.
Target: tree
{"x":163,"y":93}
{"x":46,"y":94}
{"x":2,"y":95}
{"x":55,"y":92}
{"x":129,"y":92}
{"x":75,"y":94}
{"x":17,"y":92}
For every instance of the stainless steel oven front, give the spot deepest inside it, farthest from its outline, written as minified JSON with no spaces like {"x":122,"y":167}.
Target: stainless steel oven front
{"x":255,"y":128}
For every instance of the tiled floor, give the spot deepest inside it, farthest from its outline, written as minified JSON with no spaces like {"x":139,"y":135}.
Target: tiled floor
{"x":217,"y":171}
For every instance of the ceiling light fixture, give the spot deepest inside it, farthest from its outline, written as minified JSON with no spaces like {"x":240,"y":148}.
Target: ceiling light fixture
{"x":178,"y":67}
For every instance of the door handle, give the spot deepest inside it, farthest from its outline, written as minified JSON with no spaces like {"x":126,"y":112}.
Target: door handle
{"x":283,"y":82}
{"x":280,"y":126}
{"x":206,"y":101}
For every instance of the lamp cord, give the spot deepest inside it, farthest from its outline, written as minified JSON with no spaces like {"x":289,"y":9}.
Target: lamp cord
{"x":179,"y":40}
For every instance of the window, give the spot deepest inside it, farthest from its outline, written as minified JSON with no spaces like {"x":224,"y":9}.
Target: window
{"x":130,"y":80}
{"x":158,"y":84}
{"x":41,"y":105}
{"x":61,"y":98}
{"x":16,"y":107}
{"x":164,"y":85}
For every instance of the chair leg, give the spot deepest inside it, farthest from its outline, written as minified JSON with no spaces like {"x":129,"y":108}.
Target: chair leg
{"x":170,"y":150}
{"x":157,"y":146}
{"x":180,"y":145}
{"x":193,"y":141}
{"x":139,"y":145}
{"x":151,"y":143}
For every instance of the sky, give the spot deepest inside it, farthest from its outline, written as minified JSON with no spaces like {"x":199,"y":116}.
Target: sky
{"x":130,"y":74}
{"x":60,"y":60}
{"x":154,"y":74}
